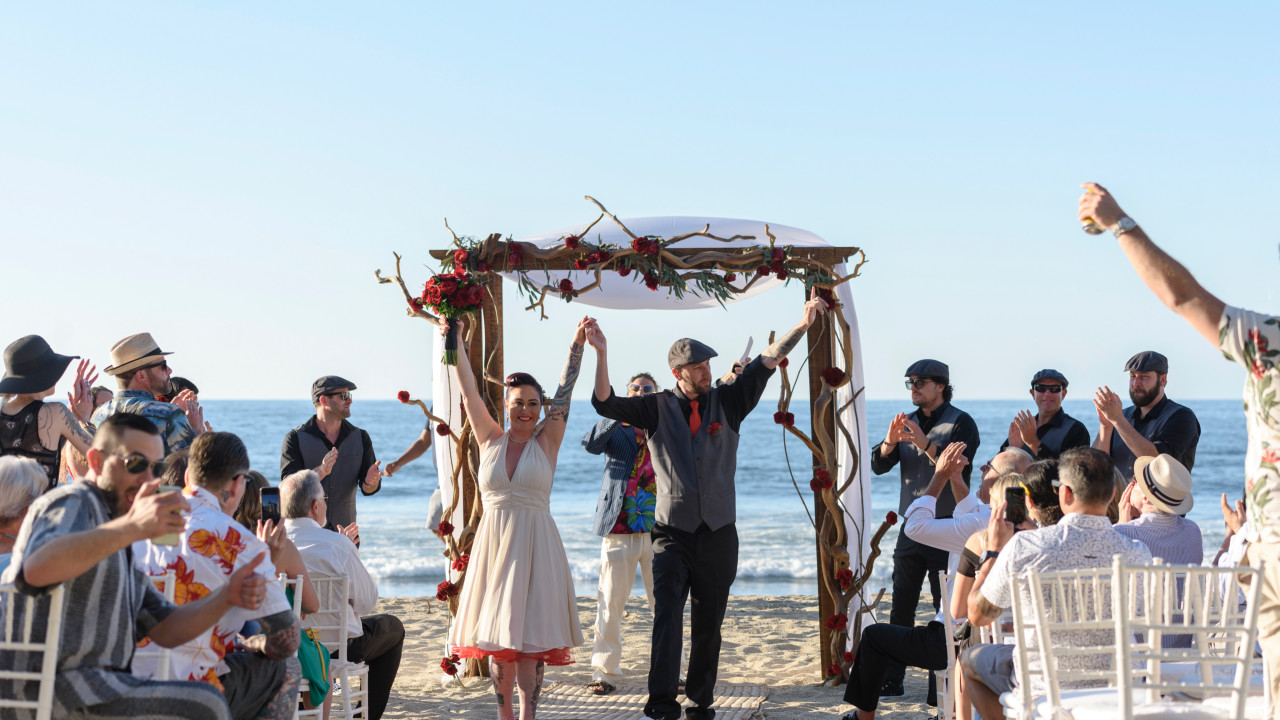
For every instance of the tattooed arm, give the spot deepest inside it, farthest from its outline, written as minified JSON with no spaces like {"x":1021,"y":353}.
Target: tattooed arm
{"x":56,"y":421}
{"x":778,"y":350}
{"x":558,"y":407}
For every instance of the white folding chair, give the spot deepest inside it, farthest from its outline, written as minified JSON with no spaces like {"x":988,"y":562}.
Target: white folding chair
{"x":154,"y":658}
{"x":29,"y":649}
{"x":947,"y":678}
{"x":351,"y":679}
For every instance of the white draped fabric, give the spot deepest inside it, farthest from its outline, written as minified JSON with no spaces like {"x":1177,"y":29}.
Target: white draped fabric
{"x":624,"y":293}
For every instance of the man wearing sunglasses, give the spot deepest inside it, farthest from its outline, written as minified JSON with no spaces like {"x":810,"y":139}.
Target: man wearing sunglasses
{"x":1051,"y":430}
{"x":80,"y":535}
{"x":340,"y":453}
{"x":1154,"y":424}
{"x":142,"y":372}
{"x":916,"y":441}
{"x":624,"y":518}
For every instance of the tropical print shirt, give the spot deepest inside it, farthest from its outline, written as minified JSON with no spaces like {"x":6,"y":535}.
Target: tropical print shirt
{"x":641,"y":496}
{"x":169,"y":419}
{"x":212,"y":547}
{"x":1253,"y":340}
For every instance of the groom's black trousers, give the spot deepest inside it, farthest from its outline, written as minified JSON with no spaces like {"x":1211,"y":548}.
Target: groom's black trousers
{"x":701,"y":564}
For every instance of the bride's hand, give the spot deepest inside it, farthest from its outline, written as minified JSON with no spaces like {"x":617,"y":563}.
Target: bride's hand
{"x":584,"y":326}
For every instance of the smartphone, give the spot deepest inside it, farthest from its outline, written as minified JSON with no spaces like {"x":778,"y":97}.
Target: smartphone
{"x":270,"y":504}
{"x":171,"y":538}
{"x":1015,"y":508}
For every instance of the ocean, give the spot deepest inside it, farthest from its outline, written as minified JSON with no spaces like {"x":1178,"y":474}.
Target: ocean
{"x":777,"y":556}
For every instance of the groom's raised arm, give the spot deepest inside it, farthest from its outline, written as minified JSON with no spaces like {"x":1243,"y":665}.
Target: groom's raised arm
{"x":642,"y":412}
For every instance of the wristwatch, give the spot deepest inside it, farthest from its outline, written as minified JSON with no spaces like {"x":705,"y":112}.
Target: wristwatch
{"x":1123,"y":225}
{"x":988,"y":555}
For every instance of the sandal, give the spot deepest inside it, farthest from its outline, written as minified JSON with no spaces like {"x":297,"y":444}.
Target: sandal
{"x":601,"y":687}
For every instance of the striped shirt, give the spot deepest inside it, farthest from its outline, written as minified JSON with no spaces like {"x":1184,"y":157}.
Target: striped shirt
{"x":108,"y":609}
{"x":1172,"y":538}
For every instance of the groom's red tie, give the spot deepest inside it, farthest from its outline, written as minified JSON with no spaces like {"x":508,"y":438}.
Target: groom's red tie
{"x":694,"y":418}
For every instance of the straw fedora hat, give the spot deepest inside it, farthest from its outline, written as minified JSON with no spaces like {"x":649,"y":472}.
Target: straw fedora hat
{"x":31,"y":366}
{"x":1165,"y":482}
{"x":132,"y":353}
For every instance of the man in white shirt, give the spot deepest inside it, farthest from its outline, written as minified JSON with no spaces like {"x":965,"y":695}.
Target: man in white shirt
{"x":973,"y":510}
{"x":376,"y":640}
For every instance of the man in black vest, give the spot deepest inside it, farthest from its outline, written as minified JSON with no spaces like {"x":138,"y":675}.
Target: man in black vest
{"x":1154,"y":424}
{"x":1051,"y":430}
{"x":693,"y":442}
{"x":339,"y":452}
{"x":916,"y":441}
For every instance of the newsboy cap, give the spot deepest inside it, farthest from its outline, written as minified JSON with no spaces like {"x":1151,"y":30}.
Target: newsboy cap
{"x":929,"y":368}
{"x":1148,"y":361}
{"x":1049,"y":374}
{"x":328,"y":384}
{"x":687,"y":351}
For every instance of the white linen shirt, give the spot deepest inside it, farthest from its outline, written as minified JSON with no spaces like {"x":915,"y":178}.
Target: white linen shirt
{"x":331,"y":554}
{"x":950,"y":534}
{"x":211,"y":548}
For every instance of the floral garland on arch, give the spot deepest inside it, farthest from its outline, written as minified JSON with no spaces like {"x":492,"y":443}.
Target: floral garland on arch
{"x":708,"y":273}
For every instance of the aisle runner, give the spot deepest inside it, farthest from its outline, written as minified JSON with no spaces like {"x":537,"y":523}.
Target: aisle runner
{"x":570,"y":701}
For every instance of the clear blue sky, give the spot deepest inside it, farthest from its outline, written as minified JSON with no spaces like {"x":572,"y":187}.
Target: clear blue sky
{"x":228,"y":176}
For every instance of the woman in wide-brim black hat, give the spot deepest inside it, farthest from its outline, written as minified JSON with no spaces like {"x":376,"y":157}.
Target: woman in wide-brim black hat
{"x":30,"y":427}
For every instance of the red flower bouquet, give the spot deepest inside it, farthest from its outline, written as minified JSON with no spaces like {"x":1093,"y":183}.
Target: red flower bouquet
{"x":451,"y":296}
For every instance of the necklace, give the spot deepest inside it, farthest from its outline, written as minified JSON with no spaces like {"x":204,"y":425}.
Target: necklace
{"x":521,"y":442}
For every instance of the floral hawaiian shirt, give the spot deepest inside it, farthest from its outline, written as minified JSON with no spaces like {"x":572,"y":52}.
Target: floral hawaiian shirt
{"x":1253,"y":340}
{"x":641,"y":497}
{"x":212,"y":547}
{"x":169,"y":419}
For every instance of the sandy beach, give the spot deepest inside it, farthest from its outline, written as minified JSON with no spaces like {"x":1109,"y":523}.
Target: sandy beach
{"x":768,"y":640}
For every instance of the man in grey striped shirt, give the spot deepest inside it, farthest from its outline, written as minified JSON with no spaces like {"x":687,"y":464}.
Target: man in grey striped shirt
{"x":80,"y":535}
{"x":1152,"y":508}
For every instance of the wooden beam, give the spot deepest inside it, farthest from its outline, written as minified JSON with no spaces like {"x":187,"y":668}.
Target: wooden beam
{"x":822,"y":356}
{"x":828,"y":256}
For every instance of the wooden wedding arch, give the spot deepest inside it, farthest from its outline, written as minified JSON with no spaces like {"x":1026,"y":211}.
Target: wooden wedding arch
{"x":845,"y":554}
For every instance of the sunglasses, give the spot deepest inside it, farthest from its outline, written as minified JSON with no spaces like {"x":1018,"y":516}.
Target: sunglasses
{"x":643,"y":389}
{"x":1039,"y":387}
{"x":137,"y":463}
{"x":345,"y":395}
{"x":162,"y":364}
{"x":918,"y":383}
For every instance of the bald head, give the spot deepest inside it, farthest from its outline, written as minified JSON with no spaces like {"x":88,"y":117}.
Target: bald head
{"x":1013,"y":460}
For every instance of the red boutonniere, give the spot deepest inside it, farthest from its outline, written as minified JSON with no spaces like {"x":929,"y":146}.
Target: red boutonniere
{"x":714,"y":429}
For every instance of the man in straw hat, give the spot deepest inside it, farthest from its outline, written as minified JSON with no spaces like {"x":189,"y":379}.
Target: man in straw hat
{"x":1152,"y":508}
{"x":693,"y":441}
{"x":140,"y":369}
{"x":1253,"y":340}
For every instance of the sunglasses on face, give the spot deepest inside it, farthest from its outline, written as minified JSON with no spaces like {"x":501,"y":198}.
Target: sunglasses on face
{"x":344,"y":395}
{"x":1055,"y":389}
{"x":137,"y":463}
{"x":163,"y":364}
{"x":642,"y":389}
{"x":917,"y":383}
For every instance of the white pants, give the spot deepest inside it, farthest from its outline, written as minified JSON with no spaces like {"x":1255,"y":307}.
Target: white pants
{"x":1267,"y":556}
{"x":618,"y":557}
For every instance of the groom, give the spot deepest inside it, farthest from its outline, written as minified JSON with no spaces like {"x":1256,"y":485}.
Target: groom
{"x":693,"y":440}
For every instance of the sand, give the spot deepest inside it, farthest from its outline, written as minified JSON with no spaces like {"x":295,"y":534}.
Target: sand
{"x":769,"y":640}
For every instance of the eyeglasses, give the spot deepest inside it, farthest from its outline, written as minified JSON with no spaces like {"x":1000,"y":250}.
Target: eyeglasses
{"x":643,"y":389}
{"x":344,"y":395}
{"x":137,"y":463}
{"x":163,"y":364}
{"x":917,"y":383}
{"x":1041,"y":387}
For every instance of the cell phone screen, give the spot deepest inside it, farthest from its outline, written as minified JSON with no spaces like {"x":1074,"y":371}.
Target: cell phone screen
{"x":1015,"y":508}
{"x":271,"y":504}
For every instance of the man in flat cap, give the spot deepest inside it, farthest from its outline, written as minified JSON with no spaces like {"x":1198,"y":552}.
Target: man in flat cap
{"x":1154,"y":424}
{"x":339,"y":452}
{"x":692,"y":431}
{"x":916,"y":440}
{"x":1051,"y":430}
{"x":142,"y":372}
{"x":1251,"y":339}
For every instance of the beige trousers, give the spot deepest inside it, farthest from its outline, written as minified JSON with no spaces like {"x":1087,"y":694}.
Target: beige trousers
{"x":1267,"y":556}
{"x":619,"y":555}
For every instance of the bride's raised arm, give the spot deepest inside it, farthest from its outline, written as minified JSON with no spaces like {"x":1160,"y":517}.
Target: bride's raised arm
{"x":486,"y":429}
{"x":558,"y":407}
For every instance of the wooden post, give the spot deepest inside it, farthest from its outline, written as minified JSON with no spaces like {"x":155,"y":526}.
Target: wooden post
{"x":821,"y":356}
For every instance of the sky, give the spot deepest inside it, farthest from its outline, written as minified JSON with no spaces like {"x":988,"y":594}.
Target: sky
{"x":228,"y":176}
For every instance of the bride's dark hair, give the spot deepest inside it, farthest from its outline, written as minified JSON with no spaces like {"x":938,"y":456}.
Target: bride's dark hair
{"x":517,"y":379}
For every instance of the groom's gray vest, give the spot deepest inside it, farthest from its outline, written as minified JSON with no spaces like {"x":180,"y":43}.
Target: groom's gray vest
{"x":694,"y":472}
{"x":917,"y":471}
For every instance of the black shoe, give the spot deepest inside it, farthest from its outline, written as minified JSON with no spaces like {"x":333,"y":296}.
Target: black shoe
{"x":892,"y":688}
{"x":695,"y":713}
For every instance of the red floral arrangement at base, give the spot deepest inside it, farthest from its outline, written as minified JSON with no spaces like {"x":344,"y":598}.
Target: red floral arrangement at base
{"x":450,"y":664}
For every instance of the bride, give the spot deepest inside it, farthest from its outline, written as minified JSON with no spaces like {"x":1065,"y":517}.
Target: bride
{"x":518,"y":605}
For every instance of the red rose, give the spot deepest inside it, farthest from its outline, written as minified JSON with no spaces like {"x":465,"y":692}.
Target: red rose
{"x":639,"y":244}
{"x":403,"y":396}
{"x":730,"y":277}
{"x":624,"y":270}
{"x":651,"y":281}
{"x":848,"y":657}
{"x":460,"y":271}
{"x":460,"y":257}
{"x":778,"y":255}
{"x":445,"y":527}
{"x":827,"y":296}
{"x":714,"y":428}
{"x":442,"y":429}
{"x":763,"y":270}
{"x":833,"y":376}
{"x":845,"y":578}
{"x":446,"y":590}
{"x":461,"y":563}
{"x":566,"y":286}
{"x":823,"y":478}
{"x":834,"y":670}
{"x":448,"y":288}
{"x":580,"y":264}
{"x":430,"y":281}
{"x":837,"y":622}
{"x":891,"y":518}
{"x":601,"y":256}
{"x":781,"y":274}
{"x":482,"y":266}
{"x":571,"y":242}
{"x":417,"y":303}
{"x":815,"y":485}
{"x":654,"y":248}
{"x":780,"y":418}
{"x":593,"y":257}
{"x":776,"y":267}
{"x":515,"y":259}
{"x":784,"y":362}
{"x":434,"y":295}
